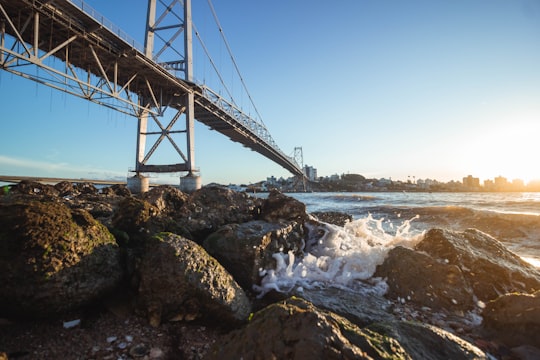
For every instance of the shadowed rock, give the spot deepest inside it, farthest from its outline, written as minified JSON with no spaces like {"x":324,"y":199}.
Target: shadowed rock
{"x":417,"y":277}
{"x":166,"y":199}
{"x":333,"y":217}
{"x":179,"y":280}
{"x":278,"y":207}
{"x":209,"y":208}
{"x":487,"y":265}
{"x":514,"y":318}
{"x":246,"y":249}
{"x":295,"y":329}
{"x":53,"y":259}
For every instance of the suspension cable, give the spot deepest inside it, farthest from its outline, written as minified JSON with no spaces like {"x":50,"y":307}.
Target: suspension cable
{"x":213,"y":63}
{"x":232,"y":58}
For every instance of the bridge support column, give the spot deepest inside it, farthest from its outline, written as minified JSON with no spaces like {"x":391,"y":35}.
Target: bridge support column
{"x":138,"y":184}
{"x":190,"y":183}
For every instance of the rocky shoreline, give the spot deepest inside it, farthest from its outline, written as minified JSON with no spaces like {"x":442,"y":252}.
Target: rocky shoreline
{"x":105,"y":274}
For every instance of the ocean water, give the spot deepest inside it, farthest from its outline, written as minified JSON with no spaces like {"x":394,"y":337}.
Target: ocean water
{"x":348,"y":256}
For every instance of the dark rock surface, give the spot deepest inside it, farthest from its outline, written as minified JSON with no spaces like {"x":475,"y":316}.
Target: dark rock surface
{"x":360,"y":308}
{"x":278,"y":207}
{"x":333,"y":217}
{"x":514,"y":318}
{"x":489,"y":267}
{"x":53,"y":259}
{"x":244,"y":249}
{"x":209,"y":208}
{"x":57,"y":255}
{"x":295,"y":329}
{"x":180,"y":281}
{"x":417,"y":277}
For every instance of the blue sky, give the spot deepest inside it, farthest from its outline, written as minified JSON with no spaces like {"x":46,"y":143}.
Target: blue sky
{"x":387,"y":88}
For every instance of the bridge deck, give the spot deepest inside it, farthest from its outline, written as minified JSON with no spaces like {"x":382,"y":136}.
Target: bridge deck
{"x":126,"y":67}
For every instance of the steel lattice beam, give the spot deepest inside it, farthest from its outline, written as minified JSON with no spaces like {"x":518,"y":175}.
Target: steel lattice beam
{"x":69,"y":48}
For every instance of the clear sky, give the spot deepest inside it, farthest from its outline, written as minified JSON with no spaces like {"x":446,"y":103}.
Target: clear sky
{"x":384,"y":88}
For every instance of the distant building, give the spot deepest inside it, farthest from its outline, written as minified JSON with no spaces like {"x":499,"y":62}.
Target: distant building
{"x":334,"y":177}
{"x":518,"y":185}
{"x":310,"y":172}
{"x":501,"y":183}
{"x":471,"y":182}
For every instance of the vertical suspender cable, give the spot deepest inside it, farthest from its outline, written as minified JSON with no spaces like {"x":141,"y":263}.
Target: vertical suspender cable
{"x":232,"y":58}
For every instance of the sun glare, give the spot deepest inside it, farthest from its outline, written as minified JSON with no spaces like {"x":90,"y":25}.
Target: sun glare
{"x":507,"y":151}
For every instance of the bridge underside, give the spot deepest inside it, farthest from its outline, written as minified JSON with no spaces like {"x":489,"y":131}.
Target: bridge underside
{"x":108,"y":68}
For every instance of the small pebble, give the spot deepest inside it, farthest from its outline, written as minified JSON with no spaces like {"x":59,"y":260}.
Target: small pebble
{"x":72,"y":323}
{"x":111,"y":339}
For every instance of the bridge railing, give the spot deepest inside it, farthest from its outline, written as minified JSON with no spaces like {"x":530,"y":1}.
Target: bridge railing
{"x":257,"y":127}
{"x":108,"y":24}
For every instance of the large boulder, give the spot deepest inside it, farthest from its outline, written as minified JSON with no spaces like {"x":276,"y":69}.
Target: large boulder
{"x":53,"y":259}
{"x":211,"y":207}
{"x":179,"y":280}
{"x":246,"y":249}
{"x":514,"y":319}
{"x":417,"y":277}
{"x":295,"y":329}
{"x":139,"y":220}
{"x":278,"y":207}
{"x":424,"y":341}
{"x":167,"y":199}
{"x":489,"y":268}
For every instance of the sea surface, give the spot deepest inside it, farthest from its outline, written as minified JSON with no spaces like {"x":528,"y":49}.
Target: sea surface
{"x":348,"y":256}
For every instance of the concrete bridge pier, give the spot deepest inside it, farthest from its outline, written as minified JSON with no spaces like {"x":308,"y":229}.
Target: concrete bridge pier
{"x":138,"y":184}
{"x":190,"y":183}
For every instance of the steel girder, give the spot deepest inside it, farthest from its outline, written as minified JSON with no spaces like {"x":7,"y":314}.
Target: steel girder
{"x":100,"y":63}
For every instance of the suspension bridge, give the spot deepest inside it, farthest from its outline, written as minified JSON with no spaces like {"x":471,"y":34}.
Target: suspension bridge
{"x":102,"y":64}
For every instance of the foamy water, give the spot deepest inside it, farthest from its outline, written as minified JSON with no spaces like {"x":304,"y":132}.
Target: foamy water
{"x":347,"y":256}
{"x":344,"y":257}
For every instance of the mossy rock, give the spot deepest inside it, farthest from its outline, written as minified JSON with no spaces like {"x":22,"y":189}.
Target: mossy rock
{"x":53,"y":259}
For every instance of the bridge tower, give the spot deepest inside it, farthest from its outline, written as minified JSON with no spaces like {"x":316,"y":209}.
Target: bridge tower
{"x":299,"y":158}
{"x":164,"y":25}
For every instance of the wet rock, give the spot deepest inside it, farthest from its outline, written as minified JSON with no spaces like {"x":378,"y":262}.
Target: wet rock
{"x":417,"y":277}
{"x":53,"y":259}
{"x":278,"y":207}
{"x":180,"y":281}
{"x":246,"y":249}
{"x":489,"y":267}
{"x":514,"y":319}
{"x":295,"y":329}
{"x":211,"y":207}
{"x":423,"y":341}
{"x":361,"y":308}
{"x":333,"y":217}
{"x":526,"y":352}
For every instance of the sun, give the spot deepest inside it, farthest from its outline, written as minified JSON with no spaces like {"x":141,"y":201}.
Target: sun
{"x":506,"y":150}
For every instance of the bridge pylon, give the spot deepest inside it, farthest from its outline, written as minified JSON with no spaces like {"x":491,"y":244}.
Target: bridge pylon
{"x":165,"y":24}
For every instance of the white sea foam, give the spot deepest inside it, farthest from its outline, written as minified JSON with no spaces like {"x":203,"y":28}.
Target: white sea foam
{"x":339,"y":256}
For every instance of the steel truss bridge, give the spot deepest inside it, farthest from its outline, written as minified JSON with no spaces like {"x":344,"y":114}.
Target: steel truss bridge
{"x":66,"y":45}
